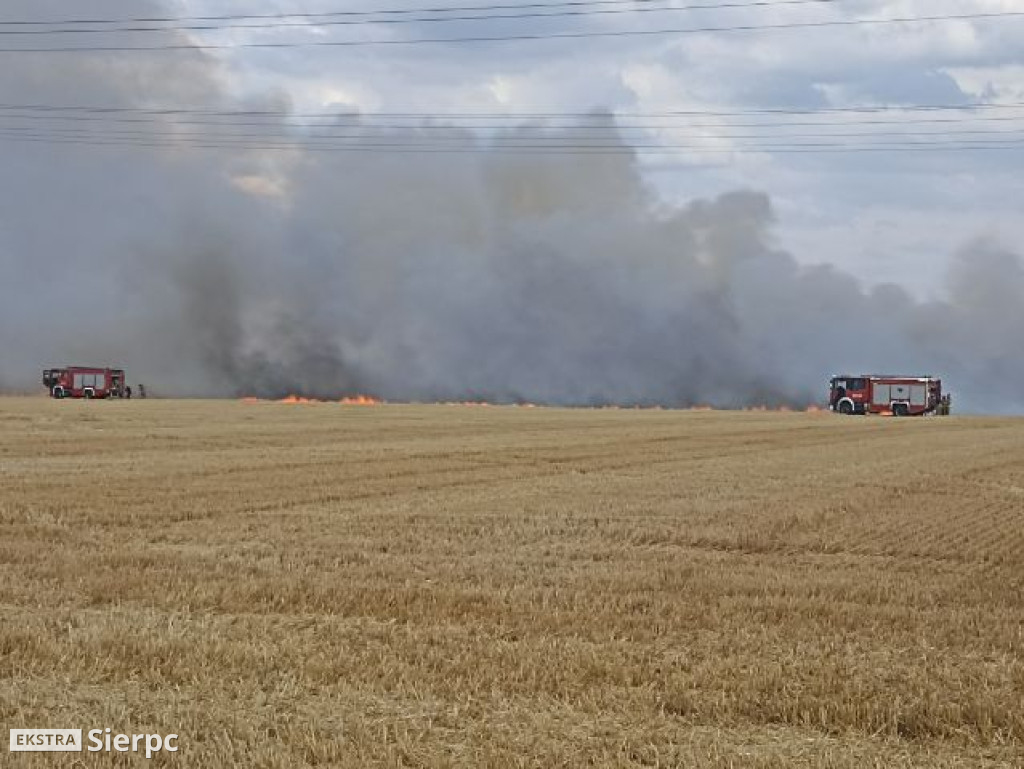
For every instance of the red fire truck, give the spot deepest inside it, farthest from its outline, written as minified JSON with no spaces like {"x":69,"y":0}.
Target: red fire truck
{"x":84,"y":382}
{"x":896,"y":395}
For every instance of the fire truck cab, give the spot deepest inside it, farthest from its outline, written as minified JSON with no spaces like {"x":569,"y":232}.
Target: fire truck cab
{"x":84,"y":382}
{"x":895,"y":395}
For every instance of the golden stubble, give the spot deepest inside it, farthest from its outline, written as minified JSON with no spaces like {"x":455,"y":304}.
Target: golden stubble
{"x":297,"y":585}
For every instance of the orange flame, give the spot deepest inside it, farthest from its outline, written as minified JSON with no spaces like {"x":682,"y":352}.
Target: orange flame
{"x":295,"y":399}
{"x":359,"y":400}
{"x":353,"y":400}
{"x":369,"y":400}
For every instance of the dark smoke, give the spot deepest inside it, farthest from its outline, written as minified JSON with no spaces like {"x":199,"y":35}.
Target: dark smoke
{"x":550,"y":279}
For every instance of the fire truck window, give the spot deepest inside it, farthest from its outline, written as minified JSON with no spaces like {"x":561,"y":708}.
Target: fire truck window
{"x":856,"y":384}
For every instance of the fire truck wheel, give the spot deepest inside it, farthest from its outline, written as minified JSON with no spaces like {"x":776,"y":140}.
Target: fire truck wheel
{"x":58,"y":393}
{"x":899,"y":409}
{"x":87,"y":395}
{"x":845,"y":407}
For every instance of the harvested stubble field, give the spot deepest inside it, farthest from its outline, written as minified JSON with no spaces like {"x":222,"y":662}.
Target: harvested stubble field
{"x":452,"y":586}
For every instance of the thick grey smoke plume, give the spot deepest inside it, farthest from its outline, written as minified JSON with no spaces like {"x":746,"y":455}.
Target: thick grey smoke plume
{"x":553,"y":279}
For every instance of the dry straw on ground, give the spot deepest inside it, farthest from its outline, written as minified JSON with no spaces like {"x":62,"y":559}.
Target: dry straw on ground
{"x":453,"y":586}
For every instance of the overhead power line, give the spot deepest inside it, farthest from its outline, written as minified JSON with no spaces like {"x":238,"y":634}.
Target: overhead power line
{"x":412,"y":140}
{"x":398,"y":148}
{"x":336,"y":14}
{"x":357,"y":123}
{"x":325,"y":22}
{"x":834,"y":23}
{"x":592,"y":114}
{"x":865,"y":127}
{"x":512,"y":138}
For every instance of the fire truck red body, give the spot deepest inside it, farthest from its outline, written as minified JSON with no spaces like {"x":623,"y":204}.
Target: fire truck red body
{"x":897,"y":395}
{"x":84,"y":382}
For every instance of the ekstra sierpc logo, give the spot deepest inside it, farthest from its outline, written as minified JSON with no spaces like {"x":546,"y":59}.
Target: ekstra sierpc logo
{"x":95,"y":741}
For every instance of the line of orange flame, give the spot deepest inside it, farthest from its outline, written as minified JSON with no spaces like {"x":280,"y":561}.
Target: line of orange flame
{"x":368,"y":400}
{"x":360,"y":400}
{"x":351,"y":400}
{"x":811,"y":409}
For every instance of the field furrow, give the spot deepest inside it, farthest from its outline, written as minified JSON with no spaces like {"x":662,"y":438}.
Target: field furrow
{"x":457,"y":586}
